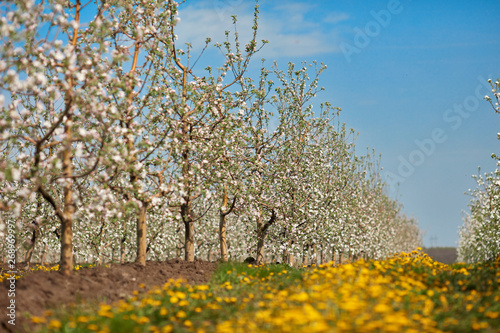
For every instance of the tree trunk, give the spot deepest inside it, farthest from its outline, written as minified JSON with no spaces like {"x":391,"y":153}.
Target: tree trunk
{"x":186,"y":213}
{"x":189,"y":242}
{"x":305,"y":254}
{"x":66,"y":265}
{"x":222,"y":237}
{"x":222,"y":226}
{"x":122,"y":248}
{"x":29,"y":253}
{"x":261,"y":235}
{"x":141,"y":235}
{"x":209,"y":254}
{"x":44,"y":254}
{"x":314,"y":260}
{"x":99,"y":245}
{"x":321,"y":254}
{"x":288,"y":257}
{"x":99,"y":257}
{"x":178,"y":250}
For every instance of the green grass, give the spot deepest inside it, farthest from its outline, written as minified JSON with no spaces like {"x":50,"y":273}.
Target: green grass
{"x":407,"y":293}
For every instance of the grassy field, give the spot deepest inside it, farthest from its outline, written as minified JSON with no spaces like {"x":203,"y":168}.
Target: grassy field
{"x":408,"y":292}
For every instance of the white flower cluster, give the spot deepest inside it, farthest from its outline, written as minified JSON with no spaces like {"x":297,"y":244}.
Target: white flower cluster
{"x":479,"y":237}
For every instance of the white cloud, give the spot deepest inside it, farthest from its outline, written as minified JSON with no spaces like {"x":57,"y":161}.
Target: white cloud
{"x":336,"y":18}
{"x":287,"y":28}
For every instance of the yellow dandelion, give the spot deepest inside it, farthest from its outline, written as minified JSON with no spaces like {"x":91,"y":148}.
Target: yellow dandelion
{"x":167,"y":329}
{"x":54,"y":324}
{"x":183,"y":303}
{"x":180,"y":294}
{"x":92,"y":327}
{"x":38,"y":320}
{"x":492,"y":315}
{"x":382,"y":308}
{"x":202,"y":287}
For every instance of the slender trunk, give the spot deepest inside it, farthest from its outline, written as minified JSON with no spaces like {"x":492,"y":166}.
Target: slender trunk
{"x":189,"y":242}
{"x":27,"y":258}
{"x":34,"y":236}
{"x":122,"y":248}
{"x":99,"y":257}
{"x":44,"y":254}
{"x":287,"y":256}
{"x":178,"y":250}
{"x":315,"y":254}
{"x":261,"y":235}
{"x":305,"y":254}
{"x":222,"y":228}
{"x":141,"y":236}
{"x":122,"y":243}
{"x":186,"y":208}
{"x":222,"y":237}
{"x":66,"y":265}
{"x":321,"y":254}
{"x":99,"y":245}
{"x":209,"y":254}
{"x":186,"y":212}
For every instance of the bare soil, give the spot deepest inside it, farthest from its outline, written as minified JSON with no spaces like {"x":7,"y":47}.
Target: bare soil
{"x":446,"y":255}
{"x":39,"y":291}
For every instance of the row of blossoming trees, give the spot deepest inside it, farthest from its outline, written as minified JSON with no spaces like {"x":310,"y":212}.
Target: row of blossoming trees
{"x":480,"y":234}
{"x":114,"y":145}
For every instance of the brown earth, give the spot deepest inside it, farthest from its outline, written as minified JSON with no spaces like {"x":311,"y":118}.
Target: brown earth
{"x":39,"y":291}
{"x":446,"y":255}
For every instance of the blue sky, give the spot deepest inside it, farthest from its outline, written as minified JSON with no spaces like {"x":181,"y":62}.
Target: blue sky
{"x":412,"y":87}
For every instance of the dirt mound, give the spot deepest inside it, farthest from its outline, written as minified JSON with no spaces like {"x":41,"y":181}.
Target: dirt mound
{"x":38,"y":291}
{"x":446,"y":255}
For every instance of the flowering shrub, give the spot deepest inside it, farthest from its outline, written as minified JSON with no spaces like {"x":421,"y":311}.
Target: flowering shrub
{"x":480,"y":233}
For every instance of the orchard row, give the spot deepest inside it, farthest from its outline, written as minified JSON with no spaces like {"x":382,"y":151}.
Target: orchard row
{"x":116,"y":145}
{"x":480,"y":234}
